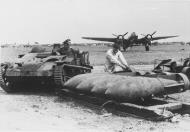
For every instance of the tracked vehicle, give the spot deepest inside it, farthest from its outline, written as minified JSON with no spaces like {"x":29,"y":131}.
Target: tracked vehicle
{"x":42,"y":68}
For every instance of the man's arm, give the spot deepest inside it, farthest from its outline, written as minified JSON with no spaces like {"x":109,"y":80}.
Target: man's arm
{"x":122,"y":59}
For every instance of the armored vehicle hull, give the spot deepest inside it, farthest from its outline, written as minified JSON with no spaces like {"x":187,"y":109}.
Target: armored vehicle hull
{"x":42,"y":68}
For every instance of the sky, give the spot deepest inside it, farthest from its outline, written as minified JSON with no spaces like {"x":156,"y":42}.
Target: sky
{"x":53,"y":21}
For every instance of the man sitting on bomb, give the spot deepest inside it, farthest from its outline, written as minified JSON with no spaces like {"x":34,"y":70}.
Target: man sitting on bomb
{"x":115,"y":60}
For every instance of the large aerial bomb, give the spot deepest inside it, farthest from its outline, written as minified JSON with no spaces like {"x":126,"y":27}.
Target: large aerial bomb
{"x":125,"y":88}
{"x":101,"y":86}
{"x":74,"y":82}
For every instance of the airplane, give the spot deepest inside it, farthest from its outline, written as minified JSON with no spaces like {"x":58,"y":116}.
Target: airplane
{"x":131,"y":40}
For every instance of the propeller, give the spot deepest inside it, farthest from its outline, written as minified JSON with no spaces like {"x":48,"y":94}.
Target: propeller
{"x":152,"y":34}
{"x":120,"y":38}
{"x":120,"y":35}
{"x":149,"y":35}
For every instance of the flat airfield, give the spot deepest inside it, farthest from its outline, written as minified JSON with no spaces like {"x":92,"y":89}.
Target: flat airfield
{"x":47,"y":112}
{"x":135,"y":56}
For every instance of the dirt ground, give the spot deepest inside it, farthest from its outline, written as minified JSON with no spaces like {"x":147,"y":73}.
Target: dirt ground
{"x":33,"y":111}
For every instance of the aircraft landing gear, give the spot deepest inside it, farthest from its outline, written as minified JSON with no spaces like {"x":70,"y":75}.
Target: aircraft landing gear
{"x":124,"y":49}
{"x":147,"y":47}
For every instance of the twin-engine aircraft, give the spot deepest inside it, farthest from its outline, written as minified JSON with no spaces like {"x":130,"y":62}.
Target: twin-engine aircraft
{"x":131,"y":40}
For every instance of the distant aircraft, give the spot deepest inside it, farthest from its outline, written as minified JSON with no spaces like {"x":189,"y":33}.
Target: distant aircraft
{"x":131,"y":40}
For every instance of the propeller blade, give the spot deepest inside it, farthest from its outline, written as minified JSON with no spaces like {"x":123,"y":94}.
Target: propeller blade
{"x":114,"y":35}
{"x":143,"y":35}
{"x":153,"y":33}
{"x":125,"y":34}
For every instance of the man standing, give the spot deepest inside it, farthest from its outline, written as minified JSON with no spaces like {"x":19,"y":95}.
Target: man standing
{"x":115,"y":60}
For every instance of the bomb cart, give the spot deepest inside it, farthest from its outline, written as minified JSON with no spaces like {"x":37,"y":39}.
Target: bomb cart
{"x":172,"y":66}
{"x":139,"y":94}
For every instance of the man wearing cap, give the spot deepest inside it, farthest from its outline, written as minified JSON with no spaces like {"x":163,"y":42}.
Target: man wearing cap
{"x":115,"y":60}
{"x":66,"y":49}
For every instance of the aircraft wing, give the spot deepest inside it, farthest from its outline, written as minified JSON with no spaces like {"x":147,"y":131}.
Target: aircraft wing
{"x":101,"y":39}
{"x":164,"y":37}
